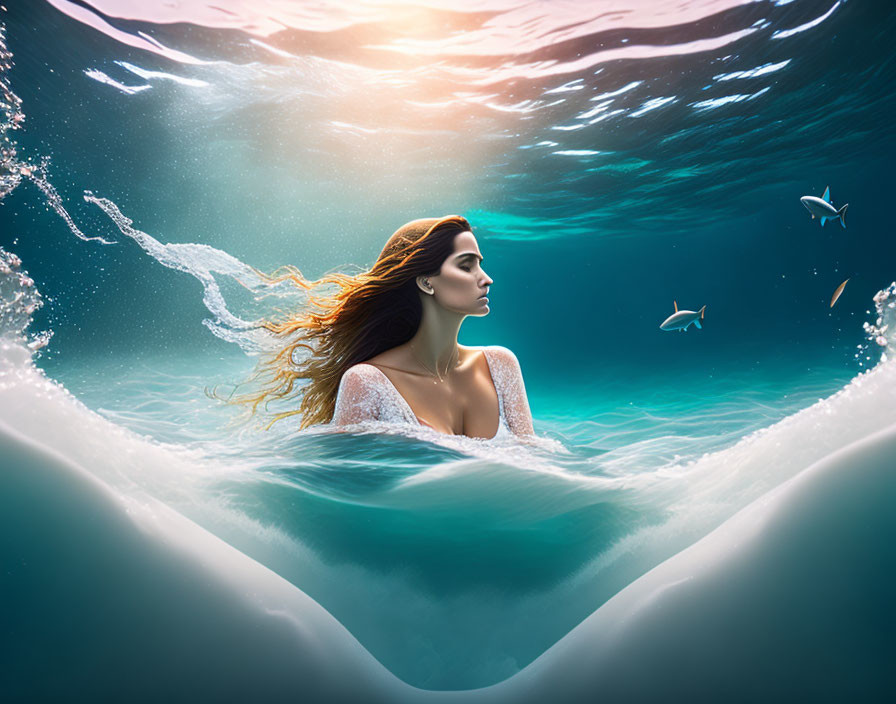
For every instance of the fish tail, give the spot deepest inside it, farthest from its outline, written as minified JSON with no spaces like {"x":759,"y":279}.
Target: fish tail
{"x":842,"y":215}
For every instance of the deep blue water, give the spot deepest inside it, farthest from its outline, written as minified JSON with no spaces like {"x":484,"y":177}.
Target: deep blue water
{"x":587,"y":252}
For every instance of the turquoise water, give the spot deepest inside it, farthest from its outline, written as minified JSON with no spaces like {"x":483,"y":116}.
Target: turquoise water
{"x":609,"y":165}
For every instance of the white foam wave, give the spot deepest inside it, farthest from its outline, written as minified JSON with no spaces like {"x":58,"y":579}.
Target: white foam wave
{"x":747,"y":570}
{"x":504,"y":499}
{"x":19,"y":299}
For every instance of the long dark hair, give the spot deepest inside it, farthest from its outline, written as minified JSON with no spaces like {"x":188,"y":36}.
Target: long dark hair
{"x":372,"y":312}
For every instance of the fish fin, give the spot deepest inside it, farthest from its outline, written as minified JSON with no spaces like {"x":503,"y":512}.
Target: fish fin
{"x":697,"y":323}
{"x":827,"y":194}
{"x":823,"y":221}
{"x":701,"y":313}
{"x":842,"y":214}
{"x":675,"y":303}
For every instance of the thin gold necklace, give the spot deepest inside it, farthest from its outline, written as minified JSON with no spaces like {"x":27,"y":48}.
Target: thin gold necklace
{"x":414,"y":352}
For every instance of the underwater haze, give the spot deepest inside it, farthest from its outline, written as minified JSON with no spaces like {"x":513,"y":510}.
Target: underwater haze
{"x":615,"y":160}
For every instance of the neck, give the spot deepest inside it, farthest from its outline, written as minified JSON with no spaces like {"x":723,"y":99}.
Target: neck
{"x":435,"y":342}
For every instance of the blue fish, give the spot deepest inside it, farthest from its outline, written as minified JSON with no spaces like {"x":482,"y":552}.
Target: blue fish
{"x":823,"y":208}
{"x":682,"y":319}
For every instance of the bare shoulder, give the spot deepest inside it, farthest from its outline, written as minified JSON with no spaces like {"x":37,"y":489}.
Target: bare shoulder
{"x":395,"y":358}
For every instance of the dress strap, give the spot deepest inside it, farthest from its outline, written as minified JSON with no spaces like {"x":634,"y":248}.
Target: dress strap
{"x":497,"y":379}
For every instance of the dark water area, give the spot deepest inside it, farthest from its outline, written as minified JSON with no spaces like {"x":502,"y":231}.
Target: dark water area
{"x":588,"y":251}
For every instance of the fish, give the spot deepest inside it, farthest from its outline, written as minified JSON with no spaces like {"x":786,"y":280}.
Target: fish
{"x":837,"y":293}
{"x":824,"y":209}
{"x":682,"y":319}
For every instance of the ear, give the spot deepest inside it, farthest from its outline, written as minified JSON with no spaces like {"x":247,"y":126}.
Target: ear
{"x":424,"y":285}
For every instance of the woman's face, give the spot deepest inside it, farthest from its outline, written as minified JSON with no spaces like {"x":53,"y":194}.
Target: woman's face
{"x":461,"y":284}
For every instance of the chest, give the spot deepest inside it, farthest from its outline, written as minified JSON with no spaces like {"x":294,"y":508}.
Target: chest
{"x":466,"y":405}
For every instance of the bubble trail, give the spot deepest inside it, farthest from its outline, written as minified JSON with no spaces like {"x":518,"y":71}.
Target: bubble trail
{"x":13,"y":169}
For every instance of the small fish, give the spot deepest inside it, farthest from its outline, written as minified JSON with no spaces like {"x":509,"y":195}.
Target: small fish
{"x":681,"y":319}
{"x":822,"y":208}
{"x":837,"y":293}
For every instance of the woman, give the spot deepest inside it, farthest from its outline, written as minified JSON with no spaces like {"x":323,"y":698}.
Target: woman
{"x":385,"y":347}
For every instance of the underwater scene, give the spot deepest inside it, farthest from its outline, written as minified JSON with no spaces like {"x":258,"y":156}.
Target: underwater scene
{"x":685,"y":209}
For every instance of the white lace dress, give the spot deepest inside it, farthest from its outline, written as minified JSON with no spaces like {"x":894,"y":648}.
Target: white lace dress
{"x":366,"y":394}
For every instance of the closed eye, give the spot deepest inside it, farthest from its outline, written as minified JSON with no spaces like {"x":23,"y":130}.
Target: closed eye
{"x":467,"y":259}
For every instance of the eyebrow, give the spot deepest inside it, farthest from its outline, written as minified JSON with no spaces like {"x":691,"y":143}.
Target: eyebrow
{"x":469,"y":254}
